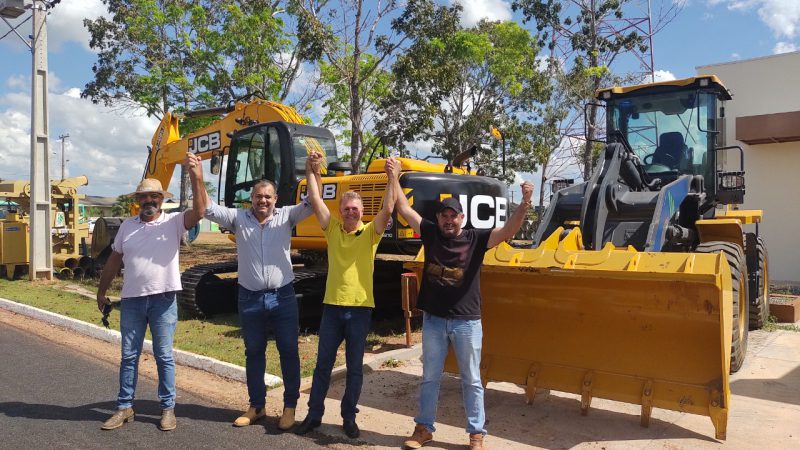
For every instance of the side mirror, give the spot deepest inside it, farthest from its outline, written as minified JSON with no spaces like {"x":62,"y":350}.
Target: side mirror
{"x":216,"y":164}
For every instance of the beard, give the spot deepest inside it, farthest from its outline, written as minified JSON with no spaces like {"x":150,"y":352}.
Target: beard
{"x":148,"y":209}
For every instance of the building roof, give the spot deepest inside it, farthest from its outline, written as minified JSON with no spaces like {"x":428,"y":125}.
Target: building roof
{"x":96,"y":200}
{"x":739,"y":61}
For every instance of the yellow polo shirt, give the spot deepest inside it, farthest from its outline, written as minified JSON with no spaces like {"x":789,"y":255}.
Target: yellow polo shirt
{"x":351,"y":260}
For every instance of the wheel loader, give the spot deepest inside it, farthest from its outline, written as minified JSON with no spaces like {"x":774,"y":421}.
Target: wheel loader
{"x":268,"y":140}
{"x":641,"y":281}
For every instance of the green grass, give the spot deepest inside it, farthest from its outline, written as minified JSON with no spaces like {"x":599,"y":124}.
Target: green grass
{"x":218,"y":338}
{"x":773,"y":325}
{"x":784,"y":289}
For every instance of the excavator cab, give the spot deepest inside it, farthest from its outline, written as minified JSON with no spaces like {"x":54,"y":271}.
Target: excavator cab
{"x":274,"y":151}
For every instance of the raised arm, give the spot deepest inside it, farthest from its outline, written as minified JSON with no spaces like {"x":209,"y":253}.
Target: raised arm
{"x":515,"y":222}
{"x":313,"y":188}
{"x":401,"y":202}
{"x":199,"y":195}
{"x":383,"y":216}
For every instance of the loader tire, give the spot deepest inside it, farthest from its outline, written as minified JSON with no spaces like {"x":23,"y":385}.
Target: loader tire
{"x":758,"y":280}
{"x":739,"y":284}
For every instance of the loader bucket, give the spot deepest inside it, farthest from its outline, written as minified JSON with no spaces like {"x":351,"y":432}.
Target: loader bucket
{"x":652,"y":329}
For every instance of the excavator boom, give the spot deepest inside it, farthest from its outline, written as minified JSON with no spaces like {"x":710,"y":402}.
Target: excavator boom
{"x":168,"y":148}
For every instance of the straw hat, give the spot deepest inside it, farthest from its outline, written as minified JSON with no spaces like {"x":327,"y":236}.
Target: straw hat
{"x":149,"y":185}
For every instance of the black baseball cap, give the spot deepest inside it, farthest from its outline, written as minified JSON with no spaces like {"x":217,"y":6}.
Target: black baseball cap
{"x":451,"y":203}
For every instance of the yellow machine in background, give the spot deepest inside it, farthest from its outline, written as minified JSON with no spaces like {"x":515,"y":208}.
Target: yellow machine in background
{"x":268,"y":140}
{"x":642,"y":282}
{"x":68,"y":230}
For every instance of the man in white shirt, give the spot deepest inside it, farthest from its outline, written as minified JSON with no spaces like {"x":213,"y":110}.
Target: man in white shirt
{"x":148,"y":246}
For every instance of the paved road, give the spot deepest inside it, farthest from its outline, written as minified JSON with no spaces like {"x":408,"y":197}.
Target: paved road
{"x":51,"y":397}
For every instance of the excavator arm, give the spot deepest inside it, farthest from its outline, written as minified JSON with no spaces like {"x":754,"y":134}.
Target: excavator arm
{"x":168,"y":148}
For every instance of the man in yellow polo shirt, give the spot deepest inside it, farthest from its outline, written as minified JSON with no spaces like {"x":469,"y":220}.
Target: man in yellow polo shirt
{"x":349,"y":301}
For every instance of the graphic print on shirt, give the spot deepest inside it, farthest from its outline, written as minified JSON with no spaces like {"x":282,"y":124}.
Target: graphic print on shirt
{"x":444,"y":276}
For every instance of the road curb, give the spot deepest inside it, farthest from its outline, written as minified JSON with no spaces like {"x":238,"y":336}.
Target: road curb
{"x":221,"y":368}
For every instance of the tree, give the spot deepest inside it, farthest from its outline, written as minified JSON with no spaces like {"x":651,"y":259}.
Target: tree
{"x":122,"y":207}
{"x":422,"y":76}
{"x":453,"y":85}
{"x":588,"y":28}
{"x":177,"y":55}
{"x":354,"y":64}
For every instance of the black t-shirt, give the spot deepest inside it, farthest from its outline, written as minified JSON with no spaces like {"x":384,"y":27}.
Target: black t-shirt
{"x":451,"y":285}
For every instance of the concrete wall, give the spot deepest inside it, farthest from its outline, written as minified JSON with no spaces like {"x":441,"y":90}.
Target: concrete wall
{"x":772,"y":171}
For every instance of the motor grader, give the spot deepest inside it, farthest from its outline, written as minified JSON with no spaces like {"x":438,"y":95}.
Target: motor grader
{"x":268,"y":140}
{"x":641,"y":281}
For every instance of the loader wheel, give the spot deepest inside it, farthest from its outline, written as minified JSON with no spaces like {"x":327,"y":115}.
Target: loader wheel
{"x":758,"y":280}
{"x":736,"y":260}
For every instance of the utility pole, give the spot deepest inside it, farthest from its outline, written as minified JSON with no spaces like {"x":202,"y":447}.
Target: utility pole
{"x":41,"y":250}
{"x":40,"y":243}
{"x":63,"y":138}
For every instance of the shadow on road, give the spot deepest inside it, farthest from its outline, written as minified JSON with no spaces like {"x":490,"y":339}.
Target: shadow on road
{"x":148,"y":411}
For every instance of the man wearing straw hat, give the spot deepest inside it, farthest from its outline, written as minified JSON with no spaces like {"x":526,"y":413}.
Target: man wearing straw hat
{"x":148,"y":246}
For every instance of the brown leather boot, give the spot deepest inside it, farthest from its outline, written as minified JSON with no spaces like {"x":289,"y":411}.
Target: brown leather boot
{"x":420,"y":437}
{"x":118,"y":419}
{"x":476,"y":441}
{"x":249,"y":417}
{"x":287,"y":419}
{"x":168,"y":421}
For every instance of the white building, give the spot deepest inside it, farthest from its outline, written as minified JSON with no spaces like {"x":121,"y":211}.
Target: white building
{"x":764,"y":118}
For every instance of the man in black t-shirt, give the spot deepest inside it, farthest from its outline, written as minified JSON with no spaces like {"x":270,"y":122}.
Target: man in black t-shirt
{"x":451,"y":300}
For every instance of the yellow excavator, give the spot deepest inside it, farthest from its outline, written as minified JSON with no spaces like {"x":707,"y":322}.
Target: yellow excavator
{"x":267,"y":140}
{"x":641,"y":282}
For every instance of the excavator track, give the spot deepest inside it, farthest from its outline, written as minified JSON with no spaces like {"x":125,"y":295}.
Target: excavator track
{"x":205,"y":293}
{"x":207,"y":290}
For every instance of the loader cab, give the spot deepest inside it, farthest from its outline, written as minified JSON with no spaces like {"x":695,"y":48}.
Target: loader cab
{"x":274,"y":151}
{"x":671,"y":126}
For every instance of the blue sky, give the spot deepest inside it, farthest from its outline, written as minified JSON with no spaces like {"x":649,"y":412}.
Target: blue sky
{"x":109,"y":147}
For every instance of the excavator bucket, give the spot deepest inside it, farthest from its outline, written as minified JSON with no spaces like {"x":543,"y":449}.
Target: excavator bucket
{"x":652,"y":329}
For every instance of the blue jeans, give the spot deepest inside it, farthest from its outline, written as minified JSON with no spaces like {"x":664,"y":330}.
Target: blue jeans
{"x":466,"y":337}
{"x":259,"y":311}
{"x":351,"y":324}
{"x":161,"y":312}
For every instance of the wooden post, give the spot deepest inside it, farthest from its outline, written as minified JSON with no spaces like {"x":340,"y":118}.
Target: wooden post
{"x":409,"y":290}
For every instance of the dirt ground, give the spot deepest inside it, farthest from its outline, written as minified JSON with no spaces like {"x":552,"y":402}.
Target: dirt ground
{"x":207,"y":248}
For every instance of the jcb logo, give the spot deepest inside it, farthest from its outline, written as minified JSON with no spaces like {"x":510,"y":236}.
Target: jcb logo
{"x":483,"y":211}
{"x":205,"y":142}
{"x":328,"y":191}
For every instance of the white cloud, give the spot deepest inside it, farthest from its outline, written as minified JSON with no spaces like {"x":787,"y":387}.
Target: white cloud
{"x":664,"y":75}
{"x":113,"y":161}
{"x":18,"y":82}
{"x":785,"y":47}
{"x":781,"y":16}
{"x":475,"y":10}
{"x":419,"y":148}
{"x":735,"y":56}
{"x":65,"y":23}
